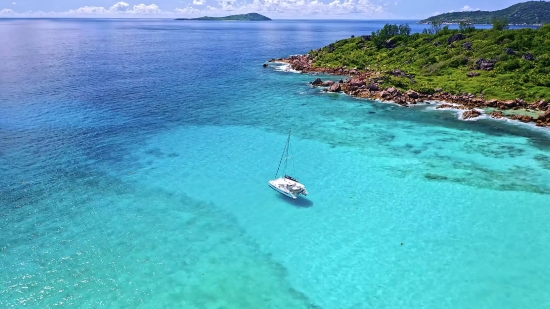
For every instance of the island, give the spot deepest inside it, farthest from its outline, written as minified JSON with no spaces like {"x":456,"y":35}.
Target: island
{"x":503,"y":73}
{"x":526,"y":13}
{"x":240,"y":17}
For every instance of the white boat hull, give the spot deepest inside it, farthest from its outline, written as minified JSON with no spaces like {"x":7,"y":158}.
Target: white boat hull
{"x":288,"y":187}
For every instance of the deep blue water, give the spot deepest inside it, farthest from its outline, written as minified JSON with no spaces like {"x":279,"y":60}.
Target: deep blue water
{"x":135,"y":155}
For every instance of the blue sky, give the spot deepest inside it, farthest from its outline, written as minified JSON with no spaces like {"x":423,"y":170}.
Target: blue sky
{"x":353,"y":9}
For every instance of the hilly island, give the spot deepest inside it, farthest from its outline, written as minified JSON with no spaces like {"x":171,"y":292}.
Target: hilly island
{"x":504,"y":73}
{"x":240,"y":17}
{"x":526,"y":13}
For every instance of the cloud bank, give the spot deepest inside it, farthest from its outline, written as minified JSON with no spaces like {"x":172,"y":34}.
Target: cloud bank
{"x":119,"y":8}
{"x":280,"y":8}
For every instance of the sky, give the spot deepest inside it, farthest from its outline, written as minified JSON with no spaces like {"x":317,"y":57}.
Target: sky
{"x":276,"y":9}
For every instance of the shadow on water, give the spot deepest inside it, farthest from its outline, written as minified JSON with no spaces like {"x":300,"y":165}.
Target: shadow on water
{"x":299,"y":202}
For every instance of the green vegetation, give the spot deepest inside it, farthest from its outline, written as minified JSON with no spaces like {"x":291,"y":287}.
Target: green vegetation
{"x":500,"y":23}
{"x":241,"y":17}
{"x":503,"y":64}
{"x":526,"y":13}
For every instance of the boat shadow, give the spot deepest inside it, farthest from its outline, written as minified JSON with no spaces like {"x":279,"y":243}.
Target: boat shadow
{"x":300,"y":202}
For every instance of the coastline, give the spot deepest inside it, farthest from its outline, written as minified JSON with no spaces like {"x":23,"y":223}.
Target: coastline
{"x":366,"y":85}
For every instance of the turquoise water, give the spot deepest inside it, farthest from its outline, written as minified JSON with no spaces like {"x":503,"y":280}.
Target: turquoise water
{"x":135,"y":155}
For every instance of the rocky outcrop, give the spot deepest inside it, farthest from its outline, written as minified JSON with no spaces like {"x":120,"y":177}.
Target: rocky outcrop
{"x":522,"y":118}
{"x":335,"y":87}
{"x":373,"y":87}
{"x":541,"y":105}
{"x":412,"y":94}
{"x":528,"y":56}
{"x":450,"y":106}
{"x":455,"y":38}
{"x":367,"y":84}
{"x":509,"y":51}
{"x":470,"y":114}
{"x":317,"y":82}
{"x":472,"y":74}
{"x":544,"y":119}
{"x":484,"y":64}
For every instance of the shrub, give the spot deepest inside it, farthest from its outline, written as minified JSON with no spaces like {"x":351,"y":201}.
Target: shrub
{"x":457,"y":61}
{"x":510,"y":65}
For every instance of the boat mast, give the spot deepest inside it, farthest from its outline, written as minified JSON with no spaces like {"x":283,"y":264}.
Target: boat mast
{"x":285,"y":154}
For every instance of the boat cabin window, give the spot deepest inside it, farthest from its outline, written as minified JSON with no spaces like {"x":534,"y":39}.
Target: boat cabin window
{"x":288,"y":177}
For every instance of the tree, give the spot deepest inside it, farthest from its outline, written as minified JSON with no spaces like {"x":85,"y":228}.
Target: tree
{"x":436,"y":25}
{"x":381,"y":37}
{"x":466,"y":26}
{"x":500,"y":23}
{"x":404,"y":30}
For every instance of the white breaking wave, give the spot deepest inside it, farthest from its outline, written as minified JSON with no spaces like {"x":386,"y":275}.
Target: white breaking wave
{"x":284,"y":67}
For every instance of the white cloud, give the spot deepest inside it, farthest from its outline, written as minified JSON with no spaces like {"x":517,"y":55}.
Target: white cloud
{"x":146,"y":9}
{"x":118,"y":8}
{"x":90,"y":10}
{"x":271,"y":8}
{"x":301,"y":7}
{"x":468,"y":8}
{"x":7,"y":12}
{"x":188,"y":10}
{"x":227,"y":5}
{"x":13,"y":3}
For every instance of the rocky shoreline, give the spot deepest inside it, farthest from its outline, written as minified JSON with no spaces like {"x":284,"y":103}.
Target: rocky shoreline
{"x":366,"y":84}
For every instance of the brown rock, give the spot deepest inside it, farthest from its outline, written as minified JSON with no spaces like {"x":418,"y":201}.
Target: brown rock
{"x":544,"y":119}
{"x":446,"y":105}
{"x":335,"y":88}
{"x":522,"y":118}
{"x":496,"y":114}
{"x":470,"y":114}
{"x":509,"y":104}
{"x":317,"y":82}
{"x":373,"y":87}
{"x":327,"y":83}
{"x":384,"y":94}
{"x":492,"y":103}
{"x":520,"y":102}
{"x":412,"y":94}
{"x":357,"y":82}
{"x":540,"y":105}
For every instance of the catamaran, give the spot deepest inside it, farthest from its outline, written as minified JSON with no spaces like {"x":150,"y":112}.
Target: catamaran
{"x":287,"y":185}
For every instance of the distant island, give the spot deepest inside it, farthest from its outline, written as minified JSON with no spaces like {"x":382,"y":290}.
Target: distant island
{"x":526,"y":13}
{"x":240,"y":17}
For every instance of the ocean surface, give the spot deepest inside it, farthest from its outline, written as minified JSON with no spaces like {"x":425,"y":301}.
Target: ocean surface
{"x":135,"y":155}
